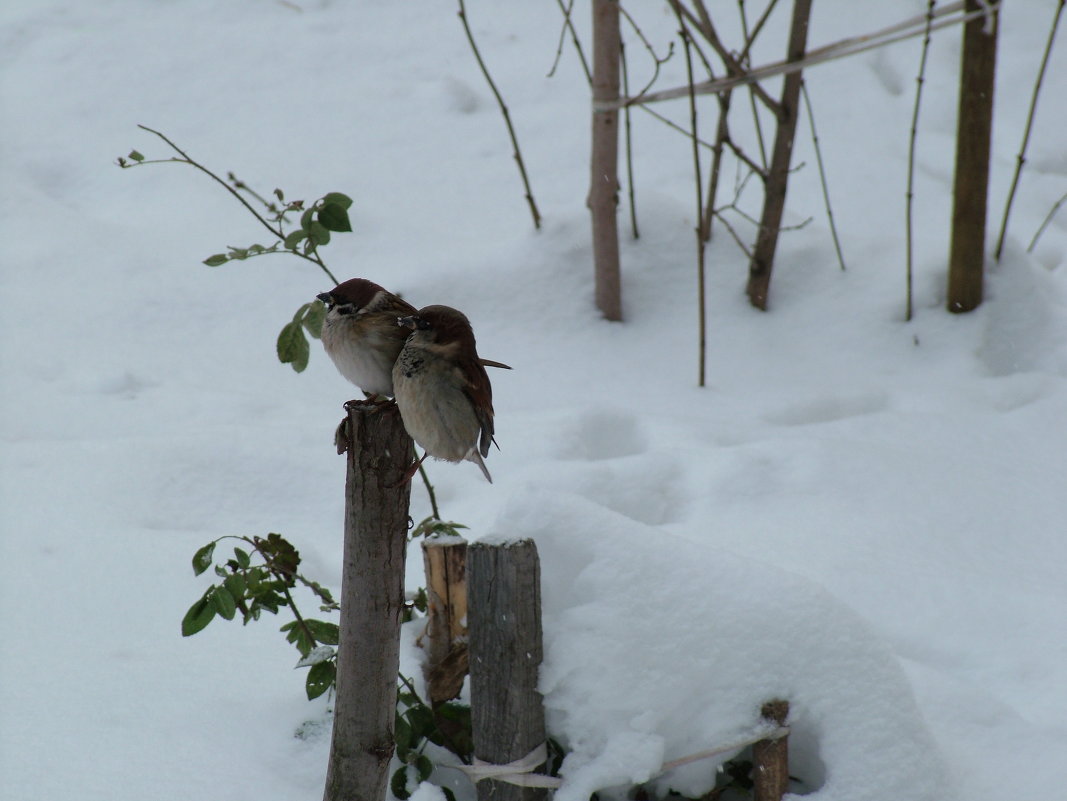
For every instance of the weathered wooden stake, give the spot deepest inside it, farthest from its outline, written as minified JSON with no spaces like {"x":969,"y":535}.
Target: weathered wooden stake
{"x":504,"y":617}
{"x":372,"y":596}
{"x":603,"y":200}
{"x":445,"y":560}
{"x":974,"y":133}
{"x":770,"y":758}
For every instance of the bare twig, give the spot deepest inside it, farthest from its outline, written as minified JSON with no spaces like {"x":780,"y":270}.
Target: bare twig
{"x":840,"y":49}
{"x":910,"y":194}
{"x":701,"y":238}
{"x":504,"y":111}
{"x":822,"y":175}
{"x":734,"y":69}
{"x":629,"y":142}
{"x":1026,"y":134}
{"x":568,"y":25}
{"x":1048,"y":218}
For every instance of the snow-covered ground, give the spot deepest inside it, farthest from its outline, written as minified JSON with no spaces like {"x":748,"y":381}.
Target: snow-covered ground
{"x":858,"y":513}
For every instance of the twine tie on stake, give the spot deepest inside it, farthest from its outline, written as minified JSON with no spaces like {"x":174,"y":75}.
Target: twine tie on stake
{"x":520,"y":772}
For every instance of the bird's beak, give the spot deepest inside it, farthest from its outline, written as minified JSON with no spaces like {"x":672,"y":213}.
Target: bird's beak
{"x":407,"y":322}
{"x":324,"y":297}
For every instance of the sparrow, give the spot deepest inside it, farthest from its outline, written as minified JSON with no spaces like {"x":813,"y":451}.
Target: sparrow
{"x":442,"y":390}
{"x":361,"y":335}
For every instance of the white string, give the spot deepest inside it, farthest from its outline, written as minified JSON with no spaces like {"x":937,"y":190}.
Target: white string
{"x":776,"y":734}
{"x":520,"y":772}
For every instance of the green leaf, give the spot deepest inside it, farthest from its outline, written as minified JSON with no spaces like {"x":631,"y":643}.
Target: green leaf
{"x":334,"y":217}
{"x":306,"y":220}
{"x":314,"y":317}
{"x":202,"y":558}
{"x":320,"y":678}
{"x":319,"y":234}
{"x":223,"y":603}
{"x":294,"y":239}
{"x":135,"y":156}
{"x":293,"y":347}
{"x":339,"y":199}
{"x":243,"y":559}
{"x":399,"y":784}
{"x":199,"y":615}
{"x":402,"y":736}
{"x":421,"y":720}
{"x":235,"y":585}
{"x":216,"y":260}
{"x":423,"y":767}
{"x":324,"y":632}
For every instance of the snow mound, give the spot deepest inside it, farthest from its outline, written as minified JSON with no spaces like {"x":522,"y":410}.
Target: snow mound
{"x":623,"y":601}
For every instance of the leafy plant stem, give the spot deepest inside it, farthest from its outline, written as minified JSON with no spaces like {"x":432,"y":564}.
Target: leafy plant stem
{"x":187,"y":159}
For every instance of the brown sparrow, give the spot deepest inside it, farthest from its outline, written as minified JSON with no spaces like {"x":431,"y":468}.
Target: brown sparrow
{"x":442,"y":389}
{"x":361,"y":334}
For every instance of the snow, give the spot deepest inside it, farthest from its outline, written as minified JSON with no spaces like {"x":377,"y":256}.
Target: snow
{"x":860,"y":514}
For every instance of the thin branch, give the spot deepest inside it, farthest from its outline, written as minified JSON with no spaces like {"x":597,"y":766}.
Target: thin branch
{"x":429,"y":490}
{"x":672,"y":124}
{"x":656,"y":60}
{"x":1026,"y":133}
{"x":568,"y":25}
{"x":840,"y":49}
{"x":743,"y":59}
{"x":187,"y":159}
{"x":698,"y":184}
{"x":822,"y":175}
{"x":733,"y":65}
{"x":1048,"y":218}
{"x":910,"y":194}
{"x":504,"y":111}
{"x":629,"y":142}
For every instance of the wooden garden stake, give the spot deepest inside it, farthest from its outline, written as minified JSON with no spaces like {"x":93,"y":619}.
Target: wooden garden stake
{"x":372,"y":597}
{"x":770,"y":758}
{"x":445,"y":560}
{"x":504,"y":617}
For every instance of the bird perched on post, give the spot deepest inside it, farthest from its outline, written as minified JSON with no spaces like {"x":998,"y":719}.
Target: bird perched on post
{"x":361,"y":335}
{"x":444,"y":395}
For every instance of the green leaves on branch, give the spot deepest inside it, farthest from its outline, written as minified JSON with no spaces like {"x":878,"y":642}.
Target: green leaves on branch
{"x":328,"y":213}
{"x":314,"y":228}
{"x":261,"y":579}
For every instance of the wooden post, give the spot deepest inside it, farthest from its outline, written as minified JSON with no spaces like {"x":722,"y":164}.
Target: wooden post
{"x":445,"y":560}
{"x":974,"y":130}
{"x":770,"y":758}
{"x":504,"y":616}
{"x":372,"y":597}
{"x":759,"y":271}
{"x":603,"y":200}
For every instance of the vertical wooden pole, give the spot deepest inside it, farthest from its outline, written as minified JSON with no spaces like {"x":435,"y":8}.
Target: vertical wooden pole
{"x":445,"y":560}
{"x":974,"y":132}
{"x":759,"y":271}
{"x":504,"y":616}
{"x":770,"y":758}
{"x":603,"y":200}
{"x":372,"y":597}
